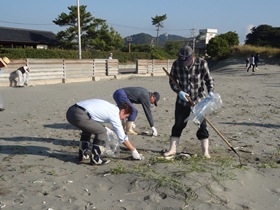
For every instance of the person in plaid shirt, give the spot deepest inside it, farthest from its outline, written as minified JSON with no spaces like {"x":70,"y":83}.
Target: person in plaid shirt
{"x":193,"y":76}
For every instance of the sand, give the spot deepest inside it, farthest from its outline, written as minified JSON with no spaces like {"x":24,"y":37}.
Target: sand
{"x":40,"y":169}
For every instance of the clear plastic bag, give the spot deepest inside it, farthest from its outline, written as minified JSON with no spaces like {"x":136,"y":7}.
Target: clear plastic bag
{"x":206,"y":106}
{"x":112,"y":148}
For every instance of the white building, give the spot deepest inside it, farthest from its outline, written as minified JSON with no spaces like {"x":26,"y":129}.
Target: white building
{"x":204,"y":37}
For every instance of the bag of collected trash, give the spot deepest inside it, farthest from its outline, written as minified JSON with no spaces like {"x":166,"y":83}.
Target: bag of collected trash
{"x":112,"y":148}
{"x":208,"y":105}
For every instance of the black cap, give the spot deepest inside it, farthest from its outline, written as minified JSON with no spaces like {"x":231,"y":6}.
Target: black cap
{"x":157,"y":97}
{"x":185,"y":54}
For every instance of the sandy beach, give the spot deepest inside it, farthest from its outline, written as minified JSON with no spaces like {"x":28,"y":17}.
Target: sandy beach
{"x":39,"y":149}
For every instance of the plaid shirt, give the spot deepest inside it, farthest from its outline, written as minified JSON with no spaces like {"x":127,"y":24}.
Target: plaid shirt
{"x":191,"y":80}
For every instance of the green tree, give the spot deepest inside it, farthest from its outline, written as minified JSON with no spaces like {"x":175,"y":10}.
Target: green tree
{"x":172,"y":47}
{"x":69,"y":37}
{"x":231,"y":38}
{"x":95,"y":33}
{"x":158,"y":22}
{"x":264,"y":35}
{"x":218,"y":48}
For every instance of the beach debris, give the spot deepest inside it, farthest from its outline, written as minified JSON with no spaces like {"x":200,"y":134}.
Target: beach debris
{"x":2,"y":205}
{"x":38,"y":182}
{"x":121,"y":201}
{"x":146,"y":133}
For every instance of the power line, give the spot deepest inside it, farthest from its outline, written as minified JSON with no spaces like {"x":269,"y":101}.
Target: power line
{"x":2,"y":21}
{"x":112,"y":24}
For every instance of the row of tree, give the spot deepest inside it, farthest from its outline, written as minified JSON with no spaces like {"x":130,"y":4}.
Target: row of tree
{"x":97,"y":35}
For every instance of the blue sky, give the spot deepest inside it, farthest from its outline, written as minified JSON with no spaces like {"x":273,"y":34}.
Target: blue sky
{"x":130,"y":17}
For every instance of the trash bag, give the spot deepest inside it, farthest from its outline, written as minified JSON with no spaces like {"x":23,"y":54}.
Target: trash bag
{"x":112,"y":148}
{"x":206,"y":106}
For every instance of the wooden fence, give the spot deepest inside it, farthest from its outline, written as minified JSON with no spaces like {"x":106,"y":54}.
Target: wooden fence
{"x":51,"y":71}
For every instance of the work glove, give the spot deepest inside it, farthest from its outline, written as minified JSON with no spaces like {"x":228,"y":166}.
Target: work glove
{"x":211,"y":94}
{"x":154,"y":131}
{"x":183,"y":95}
{"x":136,"y":155}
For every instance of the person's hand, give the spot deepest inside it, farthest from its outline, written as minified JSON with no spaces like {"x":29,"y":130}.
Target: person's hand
{"x":211,"y":94}
{"x":183,"y":95}
{"x":136,"y":155}
{"x":154,"y":131}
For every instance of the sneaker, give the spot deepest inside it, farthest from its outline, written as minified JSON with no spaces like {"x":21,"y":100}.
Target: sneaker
{"x":95,"y":158}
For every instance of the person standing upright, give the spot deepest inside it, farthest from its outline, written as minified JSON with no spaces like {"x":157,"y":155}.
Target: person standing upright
{"x":193,"y":77}
{"x":251,"y":63}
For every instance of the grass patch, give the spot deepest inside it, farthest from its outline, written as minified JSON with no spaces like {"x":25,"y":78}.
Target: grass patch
{"x":182,"y":178}
{"x":272,"y":161}
{"x":119,"y":169}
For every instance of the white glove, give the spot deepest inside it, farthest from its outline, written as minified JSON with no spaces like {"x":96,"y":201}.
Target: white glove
{"x":211,"y":94}
{"x":136,"y":155}
{"x":154,"y":131}
{"x":183,"y":95}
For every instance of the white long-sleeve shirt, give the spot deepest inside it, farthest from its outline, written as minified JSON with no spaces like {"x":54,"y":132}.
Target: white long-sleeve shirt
{"x":105,"y":112}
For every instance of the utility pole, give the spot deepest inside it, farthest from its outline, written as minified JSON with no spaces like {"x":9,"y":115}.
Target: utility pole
{"x":129,"y":40}
{"x":79,"y":29}
{"x":193,"y":38}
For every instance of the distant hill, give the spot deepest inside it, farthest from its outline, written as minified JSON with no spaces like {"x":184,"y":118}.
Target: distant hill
{"x":143,"y":38}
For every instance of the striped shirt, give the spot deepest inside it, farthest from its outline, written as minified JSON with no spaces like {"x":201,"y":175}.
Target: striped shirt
{"x":193,"y":80}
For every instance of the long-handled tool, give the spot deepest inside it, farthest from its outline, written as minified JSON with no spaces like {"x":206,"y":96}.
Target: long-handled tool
{"x":214,"y":128}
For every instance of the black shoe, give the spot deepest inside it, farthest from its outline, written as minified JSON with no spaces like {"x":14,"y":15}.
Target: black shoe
{"x":2,"y":109}
{"x":84,"y":151}
{"x":84,"y":154}
{"x":95,"y":156}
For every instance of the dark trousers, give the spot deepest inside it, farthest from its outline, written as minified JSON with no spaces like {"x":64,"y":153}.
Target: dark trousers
{"x":80,"y":119}
{"x":251,"y":65}
{"x":181,"y":113}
